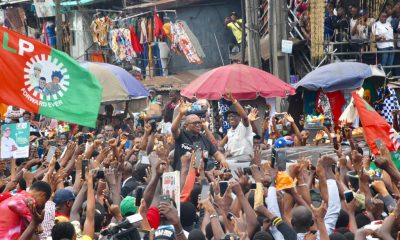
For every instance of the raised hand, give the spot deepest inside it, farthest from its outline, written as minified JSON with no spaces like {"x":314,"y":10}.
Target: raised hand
{"x":253,"y":115}
{"x":183,"y":109}
{"x":229,"y":96}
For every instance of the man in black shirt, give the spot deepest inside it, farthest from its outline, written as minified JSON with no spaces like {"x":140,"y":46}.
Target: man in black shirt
{"x":190,"y":138}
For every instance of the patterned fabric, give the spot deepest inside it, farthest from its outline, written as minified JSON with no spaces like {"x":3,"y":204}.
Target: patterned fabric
{"x":99,"y":29}
{"x":183,"y":40}
{"x":48,"y":222}
{"x":120,"y":44}
{"x":324,"y":105}
{"x":390,"y":103}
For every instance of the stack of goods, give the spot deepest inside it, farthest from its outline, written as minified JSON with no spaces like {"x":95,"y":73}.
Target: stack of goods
{"x":317,"y":13}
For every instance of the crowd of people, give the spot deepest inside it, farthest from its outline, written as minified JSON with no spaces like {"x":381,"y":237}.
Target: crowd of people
{"x":355,"y":29}
{"x":105,"y":183}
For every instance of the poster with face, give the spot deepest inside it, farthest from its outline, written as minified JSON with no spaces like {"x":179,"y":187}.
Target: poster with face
{"x":15,"y":140}
{"x":45,"y":8}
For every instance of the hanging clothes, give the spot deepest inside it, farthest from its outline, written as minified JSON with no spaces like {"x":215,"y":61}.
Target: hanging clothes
{"x":100,"y":28}
{"x":49,"y":34}
{"x":157,"y":60}
{"x":336,"y":101}
{"x":167,"y":30}
{"x":150,"y":36}
{"x":120,"y":44}
{"x":97,"y":57}
{"x":390,"y":103}
{"x":184,"y":40}
{"x":143,"y":31}
{"x":323,"y":105}
{"x":137,"y":47}
{"x":158,"y":27}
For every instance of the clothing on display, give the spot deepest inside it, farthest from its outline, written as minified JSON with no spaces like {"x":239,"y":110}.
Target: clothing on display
{"x":15,"y":19}
{"x":388,"y":103}
{"x":100,"y":28}
{"x":158,"y":27}
{"x":137,"y":47}
{"x":323,"y":105}
{"x":336,"y":101}
{"x":184,"y":40}
{"x":49,"y":34}
{"x":97,"y":57}
{"x":120,"y":44}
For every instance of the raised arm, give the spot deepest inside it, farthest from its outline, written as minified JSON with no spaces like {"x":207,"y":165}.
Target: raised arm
{"x":177,"y":121}
{"x":242,"y":113}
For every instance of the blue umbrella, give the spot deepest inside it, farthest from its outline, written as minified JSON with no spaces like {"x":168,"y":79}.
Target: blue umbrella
{"x":339,"y":76}
{"x":118,"y":84}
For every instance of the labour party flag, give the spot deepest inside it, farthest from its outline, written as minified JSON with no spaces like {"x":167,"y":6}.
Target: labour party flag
{"x":43,"y":80}
{"x":374,"y":126}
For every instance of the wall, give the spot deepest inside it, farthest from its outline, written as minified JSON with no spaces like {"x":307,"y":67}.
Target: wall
{"x":80,"y":23}
{"x":204,"y":20}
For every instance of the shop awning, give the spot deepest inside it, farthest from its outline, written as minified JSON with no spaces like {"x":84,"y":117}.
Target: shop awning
{"x":173,"y":82}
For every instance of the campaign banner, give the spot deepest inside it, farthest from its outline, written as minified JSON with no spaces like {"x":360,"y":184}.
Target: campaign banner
{"x":15,"y":140}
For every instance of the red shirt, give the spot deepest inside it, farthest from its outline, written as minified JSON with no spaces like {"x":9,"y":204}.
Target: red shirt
{"x":14,"y":212}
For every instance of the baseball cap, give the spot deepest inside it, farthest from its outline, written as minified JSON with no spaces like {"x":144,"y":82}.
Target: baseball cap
{"x":282,"y":142}
{"x":128,"y":206}
{"x":165,"y":232}
{"x":153,"y":216}
{"x":63,"y":195}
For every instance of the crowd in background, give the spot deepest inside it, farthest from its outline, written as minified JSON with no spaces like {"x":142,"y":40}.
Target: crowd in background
{"x":108,"y":185}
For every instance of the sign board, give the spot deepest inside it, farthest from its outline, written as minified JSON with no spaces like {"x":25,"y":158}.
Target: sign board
{"x":287,"y":46}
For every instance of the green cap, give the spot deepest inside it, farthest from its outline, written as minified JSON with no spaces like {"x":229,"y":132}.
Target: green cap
{"x":128,"y":206}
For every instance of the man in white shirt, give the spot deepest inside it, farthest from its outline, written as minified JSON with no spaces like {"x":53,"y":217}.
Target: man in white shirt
{"x":239,"y":139}
{"x":383,"y":31}
{"x":8,"y":145}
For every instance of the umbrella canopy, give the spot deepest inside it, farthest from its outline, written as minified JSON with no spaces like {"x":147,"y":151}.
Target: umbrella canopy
{"x":339,"y":76}
{"x":118,"y":84}
{"x":243,"y":81}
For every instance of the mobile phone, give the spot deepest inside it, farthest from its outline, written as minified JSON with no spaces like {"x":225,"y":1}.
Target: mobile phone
{"x":253,"y":186}
{"x":165,"y":199}
{"x":230,"y":216}
{"x":281,"y":160}
{"x":100,"y":174}
{"x":378,"y":143}
{"x":139,"y":196}
{"x":82,"y":139}
{"x":348,"y":195}
{"x":223,"y":185}
{"x":247,"y":171}
{"x":57,"y":166}
{"x":134,"y":218}
{"x":85,"y":164}
{"x":198,"y":156}
{"x":40,"y":151}
{"x":273,"y":157}
{"x":205,"y":190}
{"x":335,"y":142}
{"x":50,"y":153}
{"x":314,"y":159}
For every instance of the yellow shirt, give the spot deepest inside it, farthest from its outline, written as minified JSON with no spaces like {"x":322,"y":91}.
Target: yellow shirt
{"x":236,"y":28}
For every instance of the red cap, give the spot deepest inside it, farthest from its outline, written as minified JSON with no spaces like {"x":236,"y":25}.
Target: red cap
{"x":153,"y":216}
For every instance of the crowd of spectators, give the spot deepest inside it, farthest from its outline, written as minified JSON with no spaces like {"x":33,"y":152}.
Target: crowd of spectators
{"x":354,"y":29}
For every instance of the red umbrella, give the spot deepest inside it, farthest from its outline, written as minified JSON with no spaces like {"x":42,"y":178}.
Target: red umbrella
{"x":243,"y":81}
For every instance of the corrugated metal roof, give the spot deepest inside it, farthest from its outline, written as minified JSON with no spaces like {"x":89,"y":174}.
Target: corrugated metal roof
{"x":175,"y":81}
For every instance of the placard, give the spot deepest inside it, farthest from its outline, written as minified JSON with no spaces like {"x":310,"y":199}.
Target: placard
{"x":15,"y":140}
